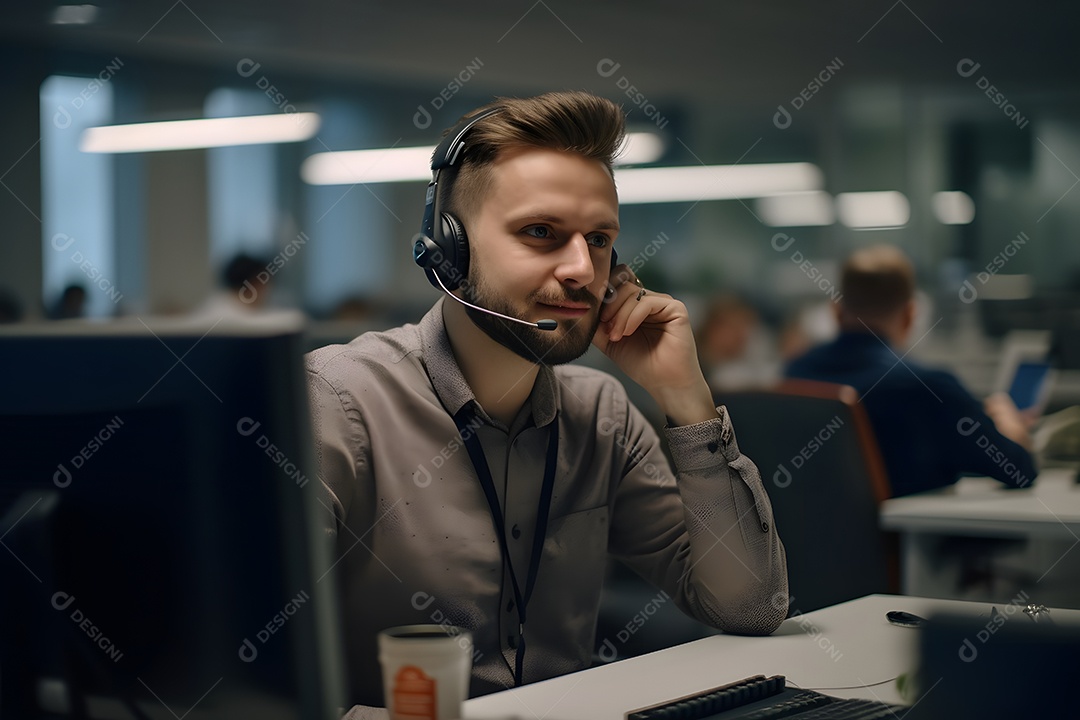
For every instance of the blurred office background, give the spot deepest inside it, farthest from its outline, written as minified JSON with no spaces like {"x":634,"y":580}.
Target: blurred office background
{"x":952,"y":131}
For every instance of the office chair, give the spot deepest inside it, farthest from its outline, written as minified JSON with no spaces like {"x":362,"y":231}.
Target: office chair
{"x":820,"y":464}
{"x":826,"y":512}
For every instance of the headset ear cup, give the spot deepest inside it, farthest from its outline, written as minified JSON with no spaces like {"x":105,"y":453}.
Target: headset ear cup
{"x":456,"y":245}
{"x":614,"y":258}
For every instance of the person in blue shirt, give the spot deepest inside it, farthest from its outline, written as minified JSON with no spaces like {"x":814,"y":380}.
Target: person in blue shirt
{"x":929,"y":428}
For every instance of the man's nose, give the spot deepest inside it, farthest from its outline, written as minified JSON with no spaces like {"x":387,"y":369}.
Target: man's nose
{"x":575,"y":266}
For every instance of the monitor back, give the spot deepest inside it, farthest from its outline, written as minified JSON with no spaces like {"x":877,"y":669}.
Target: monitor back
{"x":996,"y":666}
{"x":158,"y":502}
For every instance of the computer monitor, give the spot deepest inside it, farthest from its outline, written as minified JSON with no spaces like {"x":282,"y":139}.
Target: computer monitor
{"x":162,"y":551}
{"x":1000,"y":664}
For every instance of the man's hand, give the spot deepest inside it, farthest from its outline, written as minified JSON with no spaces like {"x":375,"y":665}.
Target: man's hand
{"x":1008,"y":420}
{"x":648,"y":335}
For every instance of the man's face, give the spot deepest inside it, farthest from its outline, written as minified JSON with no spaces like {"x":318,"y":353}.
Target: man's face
{"x":541,"y":245}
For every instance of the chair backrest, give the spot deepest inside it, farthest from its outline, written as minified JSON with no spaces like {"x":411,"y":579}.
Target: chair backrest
{"x":820,"y":463}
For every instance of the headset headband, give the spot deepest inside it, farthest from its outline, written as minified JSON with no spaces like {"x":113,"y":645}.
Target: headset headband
{"x":447,"y":153}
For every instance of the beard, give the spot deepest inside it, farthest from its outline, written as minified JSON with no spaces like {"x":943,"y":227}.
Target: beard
{"x":569,"y":341}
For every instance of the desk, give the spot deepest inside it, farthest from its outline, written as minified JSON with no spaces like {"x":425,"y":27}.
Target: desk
{"x":1047,"y":513}
{"x":983,"y":506}
{"x":836,"y":647}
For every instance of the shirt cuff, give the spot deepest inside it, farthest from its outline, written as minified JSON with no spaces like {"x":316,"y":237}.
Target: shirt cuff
{"x":694,"y":447}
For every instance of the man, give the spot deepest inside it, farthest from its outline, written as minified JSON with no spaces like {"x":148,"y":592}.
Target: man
{"x":432,"y":437}
{"x":929,"y":428}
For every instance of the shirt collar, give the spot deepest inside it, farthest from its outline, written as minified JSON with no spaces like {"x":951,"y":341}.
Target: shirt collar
{"x":862,"y":337}
{"x":450,"y":385}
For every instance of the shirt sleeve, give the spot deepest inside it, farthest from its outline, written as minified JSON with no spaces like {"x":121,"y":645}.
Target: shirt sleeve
{"x":342,"y":449}
{"x":979,"y":447}
{"x":366,"y":712}
{"x":704,"y":532}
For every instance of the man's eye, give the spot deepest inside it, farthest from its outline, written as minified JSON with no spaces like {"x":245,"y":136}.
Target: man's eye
{"x":598,"y":240}
{"x":539,"y":231}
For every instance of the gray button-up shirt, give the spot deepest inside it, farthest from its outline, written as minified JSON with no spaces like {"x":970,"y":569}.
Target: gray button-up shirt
{"x":414,"y":533}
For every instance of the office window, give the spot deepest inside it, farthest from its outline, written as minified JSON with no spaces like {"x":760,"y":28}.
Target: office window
{"x":78,"y":226}
{"x":352,"y":228}
{"x":245,"y":215}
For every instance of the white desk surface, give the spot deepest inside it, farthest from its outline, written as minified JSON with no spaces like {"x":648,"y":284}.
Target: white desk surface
{"x":836,"y":647}
{"x":983,"y":506}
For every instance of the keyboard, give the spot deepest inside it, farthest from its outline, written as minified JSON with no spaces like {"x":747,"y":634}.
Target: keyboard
{"x":762,"y":698}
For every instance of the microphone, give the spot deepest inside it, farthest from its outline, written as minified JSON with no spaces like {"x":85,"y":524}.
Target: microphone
{"x":541,"y":325}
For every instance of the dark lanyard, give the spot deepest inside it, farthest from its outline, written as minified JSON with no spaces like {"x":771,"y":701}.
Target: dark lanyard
{"x":469,"y":435}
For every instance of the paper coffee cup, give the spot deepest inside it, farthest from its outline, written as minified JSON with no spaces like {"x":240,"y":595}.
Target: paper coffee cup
{"x":426,"y":671}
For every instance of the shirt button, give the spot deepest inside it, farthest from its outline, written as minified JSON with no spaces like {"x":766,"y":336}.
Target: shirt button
{"x":764,"y":526}
{"x":712,"y":446}
{"x":516,"y":532}
{"x":510,"y":606}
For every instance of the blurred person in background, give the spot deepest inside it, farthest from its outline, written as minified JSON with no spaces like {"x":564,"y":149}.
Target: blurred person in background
{"x":246,"y":290}
{"x":735,"y":350}
{"x":929,"y":428}
{"x":70,"y":305}
{"x":10,"y":307}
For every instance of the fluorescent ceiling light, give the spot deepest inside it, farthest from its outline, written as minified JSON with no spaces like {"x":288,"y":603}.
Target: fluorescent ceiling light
{"x":381,"y":165}
{"x":640,"y":148}
{"x":348,"y":167}
{"x":953,"y":208}
{"x":873,"y":210}
{"x":205,"y":133}
{"x":714,"y":182}
{"x":801,"y":209}
{"x":73,"y":14}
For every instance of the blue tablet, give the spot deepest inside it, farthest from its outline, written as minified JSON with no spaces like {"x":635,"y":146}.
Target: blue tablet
{"x":1030,"y":385}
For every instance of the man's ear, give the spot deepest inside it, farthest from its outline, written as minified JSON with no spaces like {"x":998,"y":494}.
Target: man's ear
{"x":908,"y":317}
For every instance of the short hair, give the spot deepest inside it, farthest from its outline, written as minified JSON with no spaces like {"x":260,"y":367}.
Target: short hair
{"x":876,"y":282}
{"x":242,"y":268}
{"x":577,"y":122}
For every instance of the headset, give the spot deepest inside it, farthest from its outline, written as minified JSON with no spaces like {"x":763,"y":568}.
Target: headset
{"x":442,"y":247}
